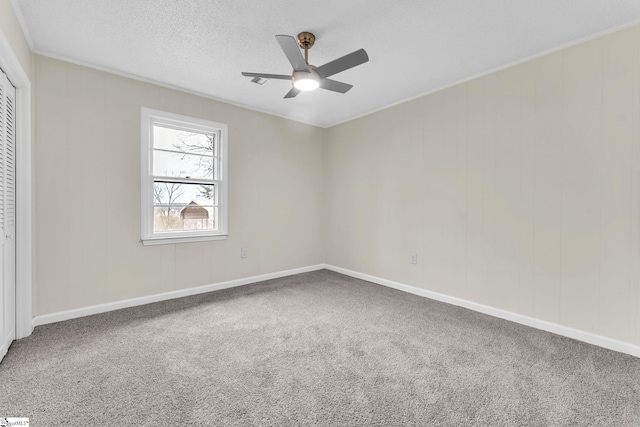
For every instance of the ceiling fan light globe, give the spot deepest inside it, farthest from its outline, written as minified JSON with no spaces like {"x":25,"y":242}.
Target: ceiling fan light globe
{"x":306,"y":81}
{"x":306,"y":84}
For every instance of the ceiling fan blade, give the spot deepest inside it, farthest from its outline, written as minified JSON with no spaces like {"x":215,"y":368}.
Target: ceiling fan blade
{"x":294,"y":55}
{"x":292,"y":93}
{"x":267,"y":76}
{"x":335,"y":86}
{"x":348,"y":61}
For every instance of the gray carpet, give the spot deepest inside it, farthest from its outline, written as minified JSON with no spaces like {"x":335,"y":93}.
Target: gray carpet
{"x":313,"y":349}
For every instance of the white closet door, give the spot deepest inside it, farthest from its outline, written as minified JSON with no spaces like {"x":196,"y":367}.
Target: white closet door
{"x":7,"y":212}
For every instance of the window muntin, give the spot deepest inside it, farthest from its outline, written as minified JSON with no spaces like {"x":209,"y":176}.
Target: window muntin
{"x":184,"y":186}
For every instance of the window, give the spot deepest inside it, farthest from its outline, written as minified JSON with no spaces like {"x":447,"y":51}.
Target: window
{"x":184,"y":181}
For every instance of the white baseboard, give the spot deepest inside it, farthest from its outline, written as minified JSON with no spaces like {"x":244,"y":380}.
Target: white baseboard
{"x":576,"y":334}
{"x":117,"y":305}
{"x":5,"y":345}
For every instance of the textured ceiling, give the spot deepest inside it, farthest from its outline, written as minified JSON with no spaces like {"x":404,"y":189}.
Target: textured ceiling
{"x":414,"y":46}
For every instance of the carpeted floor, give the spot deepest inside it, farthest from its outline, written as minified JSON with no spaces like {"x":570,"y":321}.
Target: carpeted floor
{"x":313,"y":349}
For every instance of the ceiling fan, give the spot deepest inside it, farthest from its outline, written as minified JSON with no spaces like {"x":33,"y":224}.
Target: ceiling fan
{"x":307,"y":77}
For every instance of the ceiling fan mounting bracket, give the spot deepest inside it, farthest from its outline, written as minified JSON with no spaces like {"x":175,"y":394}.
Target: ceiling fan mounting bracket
{"x":305,"y":40}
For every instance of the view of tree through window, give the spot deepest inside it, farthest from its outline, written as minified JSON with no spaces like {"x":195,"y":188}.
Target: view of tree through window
{"x":185,"y":168}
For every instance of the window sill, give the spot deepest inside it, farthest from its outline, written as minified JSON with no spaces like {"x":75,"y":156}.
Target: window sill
{"x":181,"y":239}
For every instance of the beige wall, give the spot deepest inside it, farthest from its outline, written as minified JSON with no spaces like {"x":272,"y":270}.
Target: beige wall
{"x":88,"y":248}
{"x":11,"y":29}
{"x":518,"y":190}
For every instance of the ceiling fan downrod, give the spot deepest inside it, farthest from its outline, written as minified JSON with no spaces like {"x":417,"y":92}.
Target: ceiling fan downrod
{"x":305,"y":41}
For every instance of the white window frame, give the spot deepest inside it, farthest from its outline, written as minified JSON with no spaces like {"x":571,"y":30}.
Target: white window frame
{"x":150,"y":118}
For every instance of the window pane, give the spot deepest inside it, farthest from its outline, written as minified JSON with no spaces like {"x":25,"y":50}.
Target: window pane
{"x":184,"y":141}
{"x":183,"y":207}
{"x":182,"y":165}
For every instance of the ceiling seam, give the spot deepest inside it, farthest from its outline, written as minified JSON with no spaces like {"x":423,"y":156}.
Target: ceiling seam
{"x":501,"y":67}
{"x":23,"y":24}
{"x":330,"y":125}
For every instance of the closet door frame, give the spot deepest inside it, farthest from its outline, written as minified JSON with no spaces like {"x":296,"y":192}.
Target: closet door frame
{"x":24,"y":250}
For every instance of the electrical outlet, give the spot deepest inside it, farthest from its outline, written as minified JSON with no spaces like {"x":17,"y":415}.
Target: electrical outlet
{"x":413,"y":258}
{"x":244,"y":253}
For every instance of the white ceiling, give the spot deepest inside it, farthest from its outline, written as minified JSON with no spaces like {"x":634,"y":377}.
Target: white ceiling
{"x":414,"y":46}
